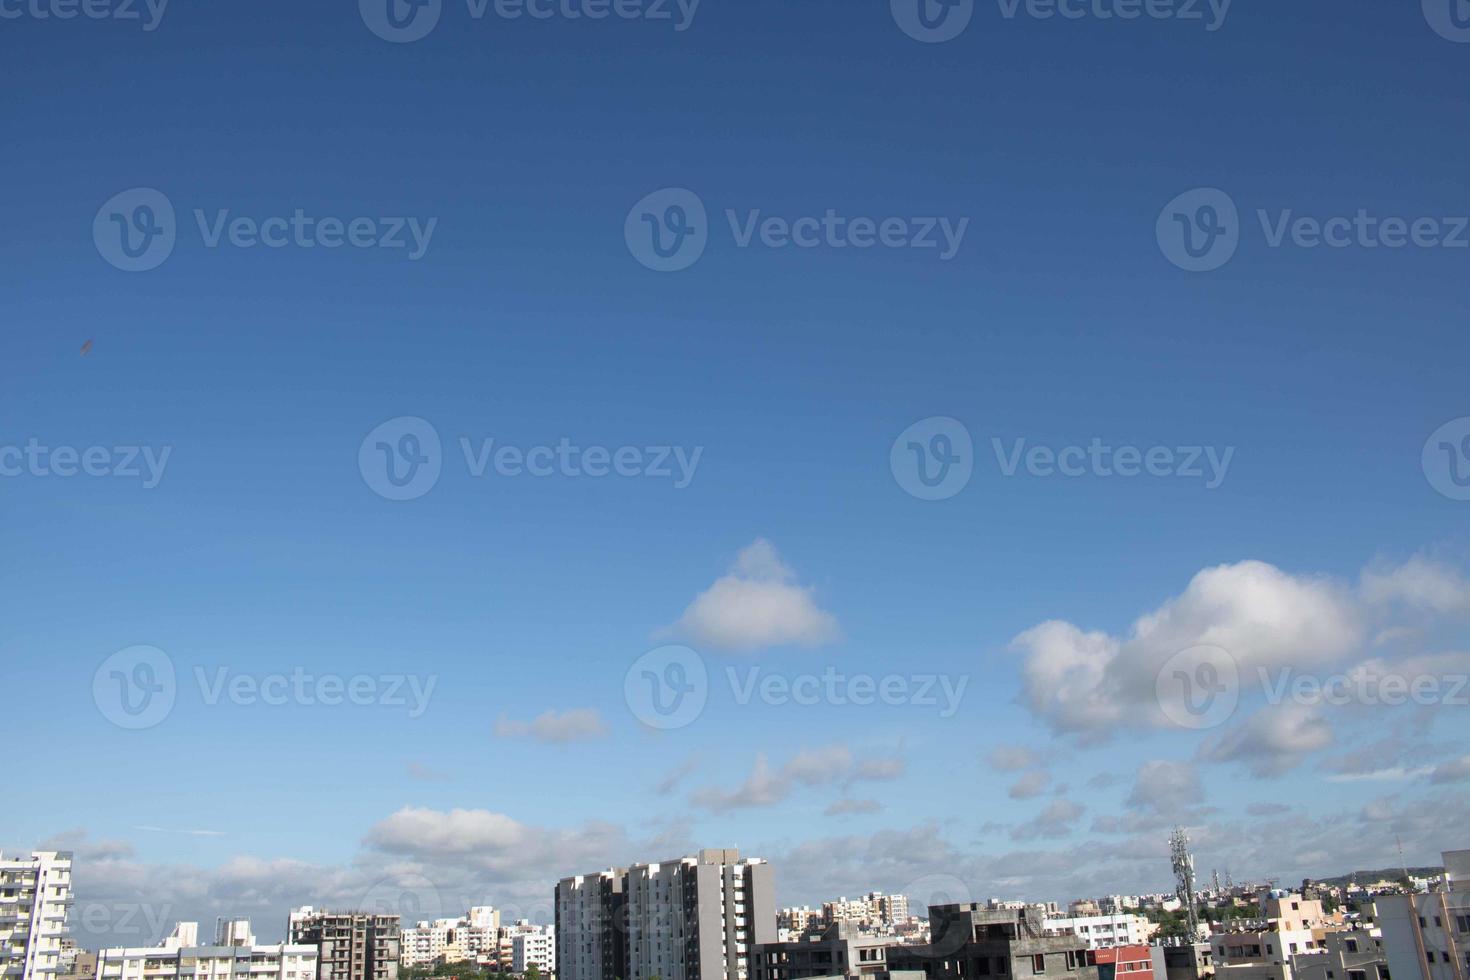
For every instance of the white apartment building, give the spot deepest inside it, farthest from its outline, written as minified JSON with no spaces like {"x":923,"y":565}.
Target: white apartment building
{"x":35,"y":893}
{"x":235,"y":955}
{"x":534,"y":947}
{"x":1100,"y":931}
{"x":472,"y":937}
{"x":1291,"y":926}
{"x":1427,"y":937}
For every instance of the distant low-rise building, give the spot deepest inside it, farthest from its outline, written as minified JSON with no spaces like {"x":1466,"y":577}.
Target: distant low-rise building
{"x":234,"y":955}
{"x":1105,"y":930}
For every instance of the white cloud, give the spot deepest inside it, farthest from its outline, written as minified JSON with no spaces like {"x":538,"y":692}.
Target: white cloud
{"x":1056,"y":820}
{"x":1272,"y":741}
{"x":576,"y":725}
{"x":1012,"y":758}
{"x":1165,"y":788}
{"x":1454,"y":771}
{"x":851,"y":807}
{"x":758,"y":604}
{"x":1421,"y":584}
{"x":1277,"y":628}
{"x":1029,"y":786}
{"x":827,"y":765}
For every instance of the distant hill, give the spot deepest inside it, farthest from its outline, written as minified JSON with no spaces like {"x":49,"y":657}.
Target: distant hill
{"x":1383,"y":874}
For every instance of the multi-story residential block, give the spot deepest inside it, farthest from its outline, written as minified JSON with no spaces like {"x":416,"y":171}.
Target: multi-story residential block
{"x":35,"y":894}
{"x":1355,"y":954}
{"x":1427,"y":937}
{"x":591,"y":930}
{"x":1263,"y":949}
{"x":534,"y":948}
{"x":1098,"y":931}
{"x":235,"y":955}
{"x":969,"y":941}
{"x":473,"y":937}
{"x":691,"y":918}
{"x":794,"y":922}
{"x":351,"y":945}
{"x":842,"y":949}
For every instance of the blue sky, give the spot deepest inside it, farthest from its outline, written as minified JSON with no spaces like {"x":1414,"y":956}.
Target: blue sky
{"x":1059,"y":321}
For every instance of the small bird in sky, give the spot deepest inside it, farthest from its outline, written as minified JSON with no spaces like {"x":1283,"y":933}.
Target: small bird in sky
{"x":86,"y":348}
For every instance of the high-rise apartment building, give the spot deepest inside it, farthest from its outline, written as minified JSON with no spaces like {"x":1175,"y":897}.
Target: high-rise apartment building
{"x":235,"y":955}
{"x":692,"y":918}
{"x":591,"y":926}
{"x":35,"y":893}
{"x":351,"y":945}
{"x":1427,"y":937}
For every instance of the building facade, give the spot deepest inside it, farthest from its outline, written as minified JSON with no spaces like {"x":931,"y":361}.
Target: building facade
{"x":1125,"y":962}
{"x":470,"y":938}
{"x":350,"y":945}
{"x":843,"y":949}
{"x":235,"y":955}
{"x":691,"y":918}
{"x":591,"y":914}
{"x":35,"y":893}
{"x":1099,"y":931}
{"x":1427,"y":937}
{"x":970,"y":941}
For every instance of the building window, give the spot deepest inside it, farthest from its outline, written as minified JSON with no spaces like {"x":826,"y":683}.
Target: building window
{"x":1038,"y":963}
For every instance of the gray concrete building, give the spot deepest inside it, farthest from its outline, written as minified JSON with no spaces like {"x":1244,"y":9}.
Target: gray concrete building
{"x":690,"y":918}
{"x":351,"y":945}
{"x":841,"y":949}
{"x":969,"y":942}
{"x":591,"y":926}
